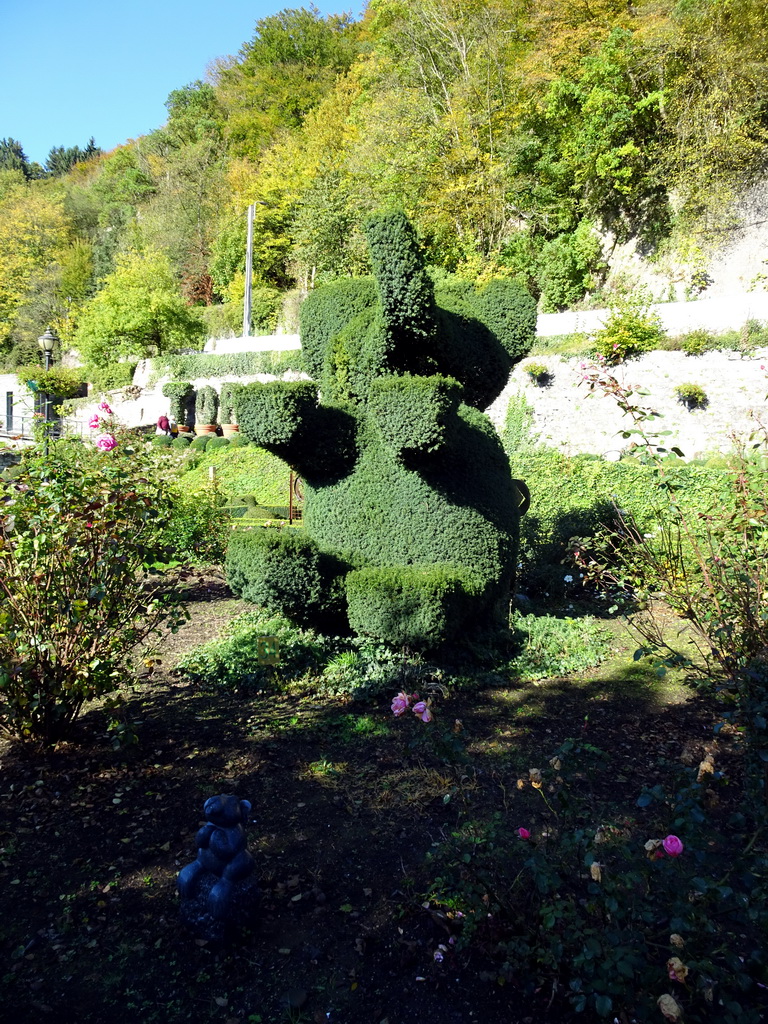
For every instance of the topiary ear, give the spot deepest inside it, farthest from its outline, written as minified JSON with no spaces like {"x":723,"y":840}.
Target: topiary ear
{"x":410,"y":412}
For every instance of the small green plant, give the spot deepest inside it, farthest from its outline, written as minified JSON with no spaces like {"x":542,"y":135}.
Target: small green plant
{"x":691,"y":395}
{"x":233,"y":661}
{"x":538,"y":374}
{"x":697,"y":342}
{"x":549,"y":646}
{"x":631,"y":329}
{"x":162,"y":441}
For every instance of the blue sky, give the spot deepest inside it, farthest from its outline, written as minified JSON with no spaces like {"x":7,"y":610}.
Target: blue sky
{"x":82,"y":68}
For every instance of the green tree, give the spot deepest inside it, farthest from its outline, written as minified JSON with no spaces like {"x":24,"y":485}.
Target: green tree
{"x":139,"y":312}
{"x":289,"y":65}
{"x":61,"y":160}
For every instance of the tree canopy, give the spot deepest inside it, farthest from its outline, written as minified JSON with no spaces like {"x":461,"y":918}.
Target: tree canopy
{"x":517,"y":138}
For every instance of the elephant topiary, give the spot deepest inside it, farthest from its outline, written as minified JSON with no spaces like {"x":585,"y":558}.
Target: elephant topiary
{"x":411,"y":514}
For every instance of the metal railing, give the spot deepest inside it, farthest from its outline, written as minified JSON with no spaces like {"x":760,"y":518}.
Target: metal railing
{"x":22,"y":428}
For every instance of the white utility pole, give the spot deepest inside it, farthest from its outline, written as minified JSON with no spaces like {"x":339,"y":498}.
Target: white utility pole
{"x":248,"y":274}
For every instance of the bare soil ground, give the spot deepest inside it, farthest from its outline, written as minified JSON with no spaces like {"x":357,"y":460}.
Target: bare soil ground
{"x":345,"y":812}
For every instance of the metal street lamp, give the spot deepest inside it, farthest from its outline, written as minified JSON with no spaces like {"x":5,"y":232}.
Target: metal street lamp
{"x":46,"y":343}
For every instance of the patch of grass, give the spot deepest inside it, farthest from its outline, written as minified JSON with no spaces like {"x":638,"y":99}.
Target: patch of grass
{"x":576,"y":344}
{"x":550,"y":646}
{"x":242,"y":470}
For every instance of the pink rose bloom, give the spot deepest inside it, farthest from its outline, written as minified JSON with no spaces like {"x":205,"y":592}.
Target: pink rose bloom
{"x":672,"y":846}
{"x":400,"y":703}
{"x":106,"y":443}
{"x":93,"y":422}
{"x":524,"y":833}
{"x":104,"y":406}
{"x":422,"y":711}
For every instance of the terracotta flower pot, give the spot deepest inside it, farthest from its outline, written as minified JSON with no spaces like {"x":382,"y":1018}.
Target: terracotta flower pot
{"x":229,"y":429}
{"x":205,"y":428}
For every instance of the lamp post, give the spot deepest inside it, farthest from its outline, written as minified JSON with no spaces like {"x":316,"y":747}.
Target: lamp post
{"x":46,"y":343}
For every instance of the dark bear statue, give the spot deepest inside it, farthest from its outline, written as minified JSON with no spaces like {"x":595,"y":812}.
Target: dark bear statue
{"x":217,"y":889}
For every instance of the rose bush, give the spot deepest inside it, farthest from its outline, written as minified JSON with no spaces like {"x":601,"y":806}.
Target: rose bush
{"x":81,"y":557}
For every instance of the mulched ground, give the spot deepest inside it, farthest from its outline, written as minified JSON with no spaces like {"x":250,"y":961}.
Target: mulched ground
{"x":91,"y":841}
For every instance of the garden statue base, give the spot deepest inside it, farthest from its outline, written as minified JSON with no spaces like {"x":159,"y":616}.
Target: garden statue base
{"x":218,"y":891}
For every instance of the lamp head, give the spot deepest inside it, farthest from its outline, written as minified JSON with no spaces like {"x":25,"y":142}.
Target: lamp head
{"x":48,"y":340}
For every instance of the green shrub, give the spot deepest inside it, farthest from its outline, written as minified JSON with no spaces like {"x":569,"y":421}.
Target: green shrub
{"x":76,"y":579}
{"x":631,"y":329}
{"x":569,"y":265}
{"x":179,"y":394}
{"x":410,"y":605}
{"x":551,"y":646}
{"x":696,"y":343}
{"x":198,"y":527}
{"x":404,"y":475}
{"x":227,"y":364}
{"x":61,"y":382}
{"x":538,"y":373}
{"x":162,"y":441}
{"x":183,"y":441}
{"x":692,"y":395}
{"x":285,"y":570}
{"x":217,"y":443}
{"x":233,"y":661}
{"x":201,"y":443}
{"x":206,"y":405}
{"x":238,"y":441}
{"x":228,"y":400}
{"x":111,"y":376}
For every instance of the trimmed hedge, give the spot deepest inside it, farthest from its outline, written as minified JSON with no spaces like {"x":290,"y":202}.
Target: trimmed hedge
{"x":410,"y":605}
{"x":228,"y":401}
{"x":226,"y":364}
{"x":179,"y":394}
{"x":182,"y":441}
{"x":285,"y":569}
{"x":216,"y":443}
{"x":405,"y":479}
{"x":162,"y":441}
{"x":206,"y":405}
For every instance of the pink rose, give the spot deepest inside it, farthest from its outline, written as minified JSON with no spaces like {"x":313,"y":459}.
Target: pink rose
{"x":400,"y":703}
{"x":422,"y":711}
{"x":93,"y":422}
{"x":104,"y":406}
{"x":672,"y":846}
{"x":106,"y":443}
{"x":524,"y":833}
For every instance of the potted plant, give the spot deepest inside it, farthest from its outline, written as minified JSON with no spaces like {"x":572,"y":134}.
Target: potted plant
{"x":178,"y":393}
{"x":227,"y":408}
{"x":206,"y":409}
{"x":692,"y":396}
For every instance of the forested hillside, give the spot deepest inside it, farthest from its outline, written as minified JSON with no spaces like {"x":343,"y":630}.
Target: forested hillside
{"x":509,"y":132}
